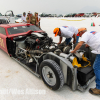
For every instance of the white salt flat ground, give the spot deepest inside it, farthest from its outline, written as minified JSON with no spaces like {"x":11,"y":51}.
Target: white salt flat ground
{"x":14,"y":76}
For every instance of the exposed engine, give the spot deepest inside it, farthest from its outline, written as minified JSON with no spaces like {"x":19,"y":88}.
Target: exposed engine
{"x":39,"y":41}
{"x":31,"y":50}
{"x":32,"y":47}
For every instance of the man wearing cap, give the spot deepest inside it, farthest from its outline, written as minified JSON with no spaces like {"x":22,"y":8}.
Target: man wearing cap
{"x":66,"y":31}
{"x":30,"y":18}
{"x":93,"y":40}
{"x":23,"y":17}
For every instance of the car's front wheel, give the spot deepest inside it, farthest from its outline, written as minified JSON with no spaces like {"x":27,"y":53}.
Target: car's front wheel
{"x":51,"y":74}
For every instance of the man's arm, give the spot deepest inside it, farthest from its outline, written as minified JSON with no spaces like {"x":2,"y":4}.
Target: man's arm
{"x":74,"y":37}
{"x":78,"y":46}
{"x":38,"y":21}
{"x":28,"y":19}
{"x":86,"y":45}
{"x":60,"y":39}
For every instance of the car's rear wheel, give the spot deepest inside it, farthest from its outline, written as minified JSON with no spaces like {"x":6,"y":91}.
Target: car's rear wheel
{"x":51,"y":74}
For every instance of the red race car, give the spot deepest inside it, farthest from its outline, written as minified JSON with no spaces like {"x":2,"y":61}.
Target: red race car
{"x":34,"y":50}
{"x":8,"y":32}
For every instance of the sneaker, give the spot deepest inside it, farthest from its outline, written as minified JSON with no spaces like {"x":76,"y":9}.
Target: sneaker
{"x":94,"y":91}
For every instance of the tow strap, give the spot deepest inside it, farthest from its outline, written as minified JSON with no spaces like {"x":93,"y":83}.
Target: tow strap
{"x":75,"y":62}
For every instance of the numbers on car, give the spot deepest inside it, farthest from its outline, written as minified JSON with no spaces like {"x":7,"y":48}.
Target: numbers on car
{"x":2,"y":43}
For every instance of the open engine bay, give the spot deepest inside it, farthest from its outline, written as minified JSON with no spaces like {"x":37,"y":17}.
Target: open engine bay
{"x":39,"y":54}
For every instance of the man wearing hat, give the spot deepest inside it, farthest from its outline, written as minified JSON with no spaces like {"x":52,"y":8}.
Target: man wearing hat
{"x":30,"y":18}
{"x":93,"y":40}
{"x":23,"y":17}
{"x":68,"y":32}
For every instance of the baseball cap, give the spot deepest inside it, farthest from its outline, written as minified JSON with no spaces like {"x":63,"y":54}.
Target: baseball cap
{"x":24,"y":13}
{"x":82,"y":29}
{"x":55,"y":31}
{"x":29,"y":12}
{"x":36,"y":12}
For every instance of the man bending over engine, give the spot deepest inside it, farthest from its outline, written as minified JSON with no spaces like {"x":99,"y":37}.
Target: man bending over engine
{"x":68,"y":32}
{"x":93,"y":40}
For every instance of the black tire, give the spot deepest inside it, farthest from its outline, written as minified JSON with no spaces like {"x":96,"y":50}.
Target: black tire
{"x":57,"y":72}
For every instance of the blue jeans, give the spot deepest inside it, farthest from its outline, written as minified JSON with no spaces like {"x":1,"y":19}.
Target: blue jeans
{"x":96,"y":67}
{"x":77,"y":38}
{"x":68,"y":40}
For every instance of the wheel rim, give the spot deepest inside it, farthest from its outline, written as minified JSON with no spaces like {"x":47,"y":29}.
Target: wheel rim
{"x":49,"y":75}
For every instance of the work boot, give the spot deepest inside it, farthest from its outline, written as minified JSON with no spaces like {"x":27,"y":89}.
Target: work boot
{"x":94,"y":91}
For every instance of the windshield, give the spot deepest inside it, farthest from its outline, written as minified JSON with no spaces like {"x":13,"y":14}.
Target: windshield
{"x":22,"y":29}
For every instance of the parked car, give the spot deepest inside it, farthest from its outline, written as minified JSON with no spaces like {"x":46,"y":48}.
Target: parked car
{"x":73,"y":15}
{"x":86,"y":14}
{"x":8,"y":17}
{"x":19,"y":15}
{"x":79,"y":15}
{"x":4,"y":21}
{"x":1,"y":14}
{"x":60,"y":15}
{"x":94,"y":14}
{"x":68,"y":15}
{"x":44,"y":15}
{"x":35,"y":50}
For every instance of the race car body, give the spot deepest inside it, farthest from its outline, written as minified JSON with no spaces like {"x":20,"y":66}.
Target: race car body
{"x":36,"y":51}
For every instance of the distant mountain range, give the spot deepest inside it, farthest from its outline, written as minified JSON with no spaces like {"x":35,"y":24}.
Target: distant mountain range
{"x":86,"y":9}
{"x":89,"y":9}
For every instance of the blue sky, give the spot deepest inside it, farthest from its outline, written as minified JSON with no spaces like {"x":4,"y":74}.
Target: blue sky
{"x":50,"y":6}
